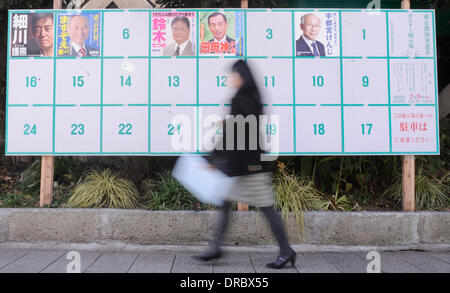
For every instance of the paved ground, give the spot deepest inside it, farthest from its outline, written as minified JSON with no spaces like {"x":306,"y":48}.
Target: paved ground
{"x":236,"y":261}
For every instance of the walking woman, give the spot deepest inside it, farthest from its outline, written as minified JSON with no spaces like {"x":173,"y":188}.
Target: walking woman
{"x":253,"y":176}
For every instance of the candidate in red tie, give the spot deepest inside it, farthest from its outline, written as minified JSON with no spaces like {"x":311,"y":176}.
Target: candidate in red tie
{"x":78,"y":33}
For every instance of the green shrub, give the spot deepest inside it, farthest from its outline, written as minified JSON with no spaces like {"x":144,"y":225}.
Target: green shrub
{"x":295,"y":194}
{"x":166,"y":193}
{"x":431,"y":192}
{"x":30,"y":178}
{"x":104,"y":190}
{"x":16,"y":200}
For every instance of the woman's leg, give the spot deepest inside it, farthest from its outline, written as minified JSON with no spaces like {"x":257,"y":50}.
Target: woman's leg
{"x":277,"y":227}
{"x":221,"y":226}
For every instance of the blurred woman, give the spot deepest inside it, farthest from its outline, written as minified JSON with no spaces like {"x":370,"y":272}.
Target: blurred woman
{"x":253,"y":182}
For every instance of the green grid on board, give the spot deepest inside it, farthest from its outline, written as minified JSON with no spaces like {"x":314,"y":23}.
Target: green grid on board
{"x":55,"y":17}
{"x":342,"y":83}
{"x":184,"y":153}
{"x":388,"y":80}
{"x":293,"y":82}
{"x":197,"y":79}
{"x":7,"y":80}
{"x":436,"y":95}
{"x":216,"y":57}
{"x":101,"y":85}
{"x":149,"y":122}
{"x":293,"y":57}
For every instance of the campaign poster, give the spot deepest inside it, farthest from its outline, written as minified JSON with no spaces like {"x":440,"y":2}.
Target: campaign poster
{"x":174,"y":33}
{"x":32,"y":34}
{"x":79,"y":34}
{"x":316,"y":33}
{"x":221,"y":33}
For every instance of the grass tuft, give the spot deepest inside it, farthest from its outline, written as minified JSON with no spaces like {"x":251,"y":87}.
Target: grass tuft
{"x":104,"y":190}
{"x":296,"y":195}
{"x":431,"y":192}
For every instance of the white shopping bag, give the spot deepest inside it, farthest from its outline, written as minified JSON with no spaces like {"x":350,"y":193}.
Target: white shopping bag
{"x":209,"y":185}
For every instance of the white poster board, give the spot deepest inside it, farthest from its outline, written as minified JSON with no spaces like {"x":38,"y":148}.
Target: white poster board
{"x":153,"y":82}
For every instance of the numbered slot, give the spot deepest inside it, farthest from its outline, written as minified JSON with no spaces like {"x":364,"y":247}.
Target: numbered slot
{"x":278,"y":129}
{"x":77,"y":130}
{"x":210,"y":126}
{"x":273,"y":80}
{"x":365,"y":81}
{"x":31,"y":130}
{"x":173,"y":81}
{"x":125,"y":81}
{"x":173,"y":129}
{"x":317,"y":81}
{"x":215,"y":86}
{"x":125,"y":130}
{"x":30,"y":81}
{"x":366,"y":129}
{"x":269,"y":33}
{"x":318,"y":129}
{"x":78,"y":81}
{"x":126,"y":34}
{"x":364,"y":34}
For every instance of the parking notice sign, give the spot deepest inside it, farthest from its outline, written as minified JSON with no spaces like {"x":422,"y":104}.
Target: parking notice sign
{"x":155,"y":82}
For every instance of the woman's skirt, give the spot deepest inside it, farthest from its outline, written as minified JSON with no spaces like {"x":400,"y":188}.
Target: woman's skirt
{"x":253,"y":189}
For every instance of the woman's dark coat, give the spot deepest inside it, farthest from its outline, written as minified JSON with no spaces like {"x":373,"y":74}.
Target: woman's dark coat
{"x":241,"y":162}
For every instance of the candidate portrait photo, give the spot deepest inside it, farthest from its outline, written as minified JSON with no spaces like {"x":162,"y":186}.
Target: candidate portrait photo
{"x":182,"y":44}
{"x":222,"y":33}
{"x":317,"y":34}
{"x":79,"y":35}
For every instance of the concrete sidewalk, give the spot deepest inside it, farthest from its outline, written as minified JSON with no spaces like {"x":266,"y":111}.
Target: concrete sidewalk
{"x":236,"y":260}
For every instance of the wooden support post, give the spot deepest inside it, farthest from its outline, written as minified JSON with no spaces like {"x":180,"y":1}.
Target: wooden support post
{"x":406,"y":4}
{"x":408,"y":164}
{"x":47,"y":162}
{"x":408,"y":183}
{"x":242,"y":206}
{"x":57,"y":4}
{"x":47,"y":170}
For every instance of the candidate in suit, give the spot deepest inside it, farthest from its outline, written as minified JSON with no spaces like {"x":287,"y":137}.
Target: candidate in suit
{"x":218,"y":25}
{"x":180,"y":31}
{"x":78,"y":33}
{"x":42,"y":28}
{"x":307,"y":45}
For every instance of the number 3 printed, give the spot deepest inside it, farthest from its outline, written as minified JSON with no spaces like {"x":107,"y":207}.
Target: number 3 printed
{"x":269,"y":35}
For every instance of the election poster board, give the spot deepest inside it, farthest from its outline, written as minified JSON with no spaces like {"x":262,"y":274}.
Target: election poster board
{"x":156,"y":82}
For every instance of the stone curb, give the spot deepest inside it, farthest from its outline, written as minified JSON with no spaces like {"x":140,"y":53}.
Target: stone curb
{"x":394,"y":230}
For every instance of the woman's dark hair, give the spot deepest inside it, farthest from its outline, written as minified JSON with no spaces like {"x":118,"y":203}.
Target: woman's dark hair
{"x":242,"y":68}
{"x":249,"y":84}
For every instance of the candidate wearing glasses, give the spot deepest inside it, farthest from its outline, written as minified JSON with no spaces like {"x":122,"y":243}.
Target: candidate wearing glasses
{"x":79,"y":32}
{"x":307,"y":45}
